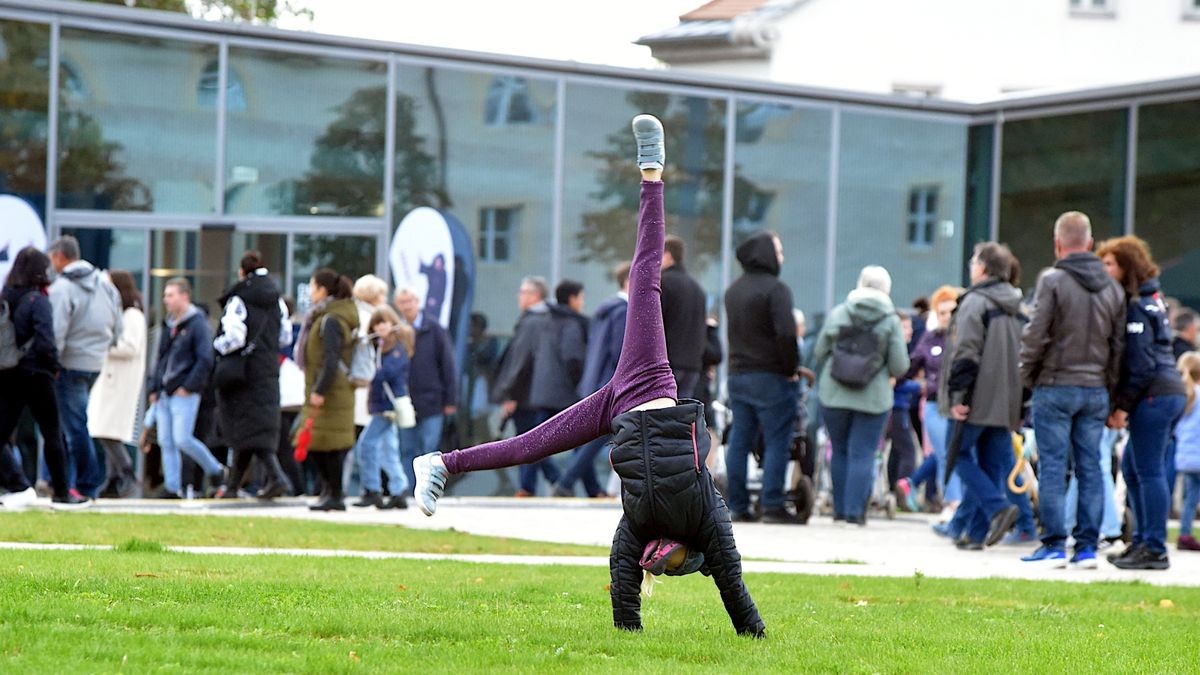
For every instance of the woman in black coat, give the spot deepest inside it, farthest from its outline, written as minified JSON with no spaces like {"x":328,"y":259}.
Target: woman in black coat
{"x":253,"y":324}
{"x":30,"y":383}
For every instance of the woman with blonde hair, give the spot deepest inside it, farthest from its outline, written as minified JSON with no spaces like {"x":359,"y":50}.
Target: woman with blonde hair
{"x":379,"y":444}
{"x":1187,"y":450}
{"x":1149,"y":399}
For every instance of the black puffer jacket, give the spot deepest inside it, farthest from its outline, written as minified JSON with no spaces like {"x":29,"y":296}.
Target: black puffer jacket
{"x":249,"y":412}
{"x":666,"y":491}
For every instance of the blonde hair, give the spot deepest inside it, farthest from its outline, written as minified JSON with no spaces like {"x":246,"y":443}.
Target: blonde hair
{"x":1189,"y":366}
{"x":401,"y":333}
{"x":370,"y":289}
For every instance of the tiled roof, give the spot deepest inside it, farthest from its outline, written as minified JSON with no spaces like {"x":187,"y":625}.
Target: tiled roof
{"x":722,"y":9}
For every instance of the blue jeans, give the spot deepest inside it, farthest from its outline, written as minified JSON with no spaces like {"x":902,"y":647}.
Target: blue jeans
{"x":1070,"y":420}
{"x":763,"y":402}
{"x":1110,"y":522}
{"x":175,"y":418}
{"x":85,"y":471}
{"x":422,"y":439}
{"x":1191,"y":498}
{"x":379,"y":448}
{"x":984,"y":459}
{"x":1150,"y":427}
{"x":855,"y":437}
{"x":525,"y":421}
{"x":969,"y":512}
{"x":937,"y":428}
{"x":583,"y":468}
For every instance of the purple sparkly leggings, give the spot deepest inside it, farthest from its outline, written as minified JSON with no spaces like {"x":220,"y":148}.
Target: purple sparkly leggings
{"x":642,"y":373}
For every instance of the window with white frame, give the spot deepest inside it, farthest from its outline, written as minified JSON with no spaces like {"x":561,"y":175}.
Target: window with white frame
{"x":496,"y":228}
{"x":1094,"y":7}
{"x":509,"y":102}
{"x":922,"y":216}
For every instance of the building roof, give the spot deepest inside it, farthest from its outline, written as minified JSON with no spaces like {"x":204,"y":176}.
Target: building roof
{"x":721,"y":28}
{"x":722,"y":9}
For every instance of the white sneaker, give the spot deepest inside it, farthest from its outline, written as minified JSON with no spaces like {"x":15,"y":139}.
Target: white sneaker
{"x":19,"y":500}
{"x":648,"y":132}
{"x":431,"y":481}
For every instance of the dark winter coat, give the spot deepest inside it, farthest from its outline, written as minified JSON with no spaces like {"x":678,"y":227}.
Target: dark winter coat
{"x":1077,"y":333}
{"x":666,"y":491}
{"x":982,"y":356}
{"x":33,"y":325}
{"x":685,"y":310}
{"x":185,"y":354}
{"x":433,"y":377}
{"x":762,"y":331}
{"x":605,"y":337}
{"x":544,"y":363}
{"x":249,"y":412}
{"x":1180,"y":346}
{"x":927,"y":357}
{"x":1148,"y":368}
{"x":393,"y":371}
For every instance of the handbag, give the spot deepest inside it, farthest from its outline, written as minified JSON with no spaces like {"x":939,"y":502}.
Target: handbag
{"x":230,"y":370}
{"x":404,"y":414}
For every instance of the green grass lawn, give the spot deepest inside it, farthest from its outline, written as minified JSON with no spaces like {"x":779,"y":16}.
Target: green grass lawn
{"x":112,"y":529}
{"x":108,"y":611}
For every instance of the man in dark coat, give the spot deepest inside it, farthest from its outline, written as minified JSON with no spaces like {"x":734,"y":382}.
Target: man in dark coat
{"x":1187,"y":329}
{"x":254,"y":325}
{"x":603,"y":350}
{"x":684,"y":317}
{"x":432,"y":381}
{"x":540,"y":371}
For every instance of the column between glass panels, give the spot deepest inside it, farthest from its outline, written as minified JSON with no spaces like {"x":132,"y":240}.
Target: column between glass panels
{"x":835,"y":152}
{"x":52,"y":133}
{"x":222,"y":109}
{"x":997,"y":167}
{"x":560,"y":153}
{"x":727,"y":188}
{"x":383,"y":251}
{"x":1131,"y":146}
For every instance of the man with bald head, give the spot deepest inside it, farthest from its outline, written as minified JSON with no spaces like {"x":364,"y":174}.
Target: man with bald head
{"x":1071,"y":353}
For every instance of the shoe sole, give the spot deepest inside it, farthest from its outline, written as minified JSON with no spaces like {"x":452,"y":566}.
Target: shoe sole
{"x":1084,"y":565}
{"x":1055,"y":564}
{"x":1006,"y":525}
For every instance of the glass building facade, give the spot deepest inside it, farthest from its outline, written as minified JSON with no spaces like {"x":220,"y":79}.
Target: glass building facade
{"x":168,"y":146}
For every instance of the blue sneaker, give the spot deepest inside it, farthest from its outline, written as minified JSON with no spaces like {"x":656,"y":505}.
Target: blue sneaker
{"x":1083,"y":560}
{"x":648,"y":132}
{"x":1050,"y":558}
{"x":943,"y":530}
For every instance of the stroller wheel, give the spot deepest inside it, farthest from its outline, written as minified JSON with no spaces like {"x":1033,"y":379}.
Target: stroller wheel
{"x":805,"y":499}
{"x":890,"y":506}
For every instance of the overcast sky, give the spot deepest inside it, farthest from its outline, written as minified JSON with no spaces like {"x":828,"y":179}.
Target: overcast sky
{"x":598,"y":31}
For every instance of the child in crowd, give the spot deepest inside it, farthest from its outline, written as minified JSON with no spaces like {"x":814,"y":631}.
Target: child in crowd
{"x":1187,"y":451}
{"x":902,"y":460}
{"x":379,"y":444}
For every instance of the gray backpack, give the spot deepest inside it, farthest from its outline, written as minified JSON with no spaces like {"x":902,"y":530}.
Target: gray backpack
{"x":10,"y":351}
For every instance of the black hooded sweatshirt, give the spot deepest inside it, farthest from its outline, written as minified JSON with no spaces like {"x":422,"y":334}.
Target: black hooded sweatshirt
{"x":762,"y":332}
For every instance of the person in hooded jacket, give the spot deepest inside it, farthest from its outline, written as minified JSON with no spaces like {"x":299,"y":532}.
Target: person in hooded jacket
{"x":763,"y":382}
{"x":254,"y":324}
{"x":1149,"y":400}
{"x":31,"y":382}
{"x":1071,"y":352}
{"x":605,"y":336}
{"x":87,"y":322}
{"x":855,"y":416}
{"x":668,"y":498}
{"x":980,"y":390}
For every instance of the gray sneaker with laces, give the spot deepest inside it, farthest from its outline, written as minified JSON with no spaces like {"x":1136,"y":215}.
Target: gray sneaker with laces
{"x":431,"y":481}
{"x":648,"y":132}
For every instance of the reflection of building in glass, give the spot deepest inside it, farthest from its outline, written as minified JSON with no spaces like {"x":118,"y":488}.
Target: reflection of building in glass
{"x":179,"y":144}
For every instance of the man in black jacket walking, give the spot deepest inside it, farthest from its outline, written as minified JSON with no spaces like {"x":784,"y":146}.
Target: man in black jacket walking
{"x":684,"y":317}
{"x":763,"y":385}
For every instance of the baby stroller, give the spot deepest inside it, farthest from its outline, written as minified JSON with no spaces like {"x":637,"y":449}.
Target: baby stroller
{"x":799,"y":488}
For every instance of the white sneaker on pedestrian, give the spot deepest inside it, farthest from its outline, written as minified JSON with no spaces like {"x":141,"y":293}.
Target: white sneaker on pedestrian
{"x":19,"y":500}
{"x":431,"y":481}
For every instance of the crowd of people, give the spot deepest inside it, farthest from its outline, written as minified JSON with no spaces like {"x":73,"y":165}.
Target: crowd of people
{"x":1096,"y":369}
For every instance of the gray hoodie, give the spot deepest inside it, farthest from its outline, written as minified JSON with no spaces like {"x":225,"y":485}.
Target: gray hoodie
{"x":87,"y":317}
{"x":980,"y":366}
{"x":870,"y":305}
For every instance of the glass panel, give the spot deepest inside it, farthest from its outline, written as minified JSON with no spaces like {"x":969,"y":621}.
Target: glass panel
{"x":602,"y":183}
{"x":1168,"y":194}
{"x":461,"y":150}
{"x":309,"y":138}
{"x":352,"y":256}
{"x":172,"y":254}
{"x":1057,"y":164}
{"x":25,"y":95}
{"x":132,"y":136}
{"x":884,"y":161}
{"x":114,"y":250}
{"x":782,"y":184}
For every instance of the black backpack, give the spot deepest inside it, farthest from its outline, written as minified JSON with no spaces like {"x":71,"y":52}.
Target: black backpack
{"x":857,"y":353}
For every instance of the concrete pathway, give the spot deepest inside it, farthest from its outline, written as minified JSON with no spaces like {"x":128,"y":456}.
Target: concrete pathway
{"x":898,"y":548}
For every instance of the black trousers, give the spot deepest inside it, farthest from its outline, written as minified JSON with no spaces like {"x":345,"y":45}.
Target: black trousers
{"x":902,"y":461}
{"x":21,"y":389}
{"x":329,"y":467}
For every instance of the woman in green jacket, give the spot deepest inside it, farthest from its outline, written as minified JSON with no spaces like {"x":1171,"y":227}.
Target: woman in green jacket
{"x":324,"y":349}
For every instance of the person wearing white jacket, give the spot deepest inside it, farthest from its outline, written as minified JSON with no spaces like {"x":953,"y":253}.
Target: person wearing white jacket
{"x":113,"y":404}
